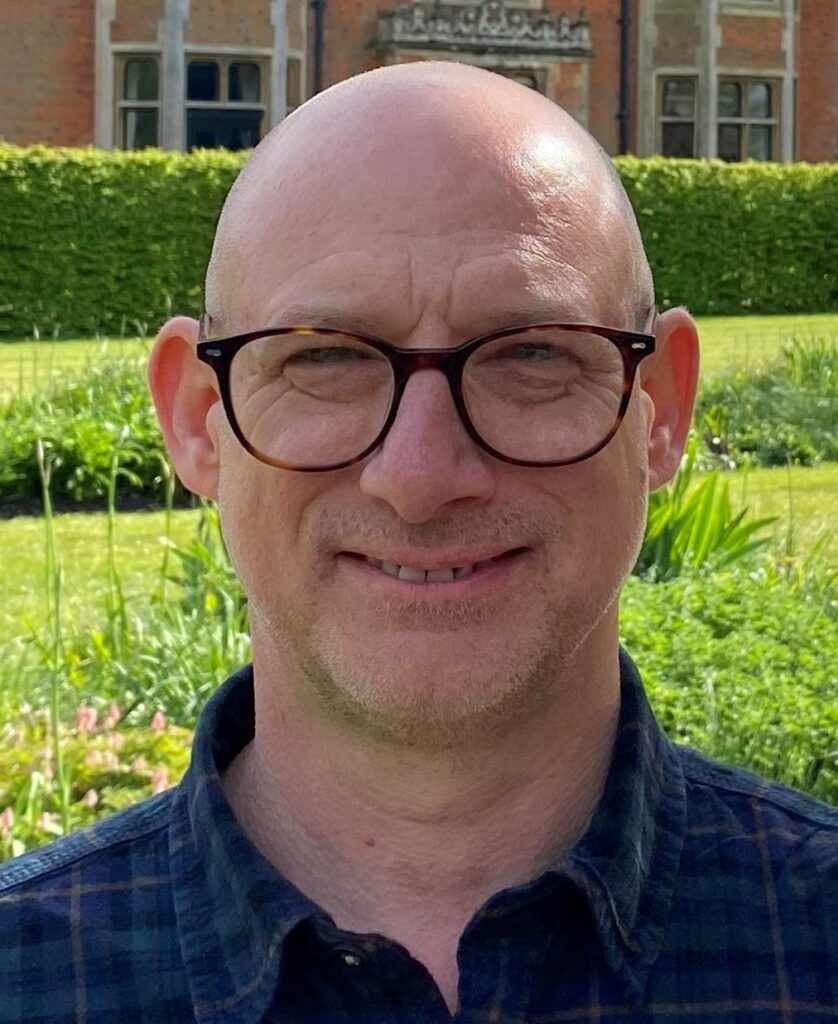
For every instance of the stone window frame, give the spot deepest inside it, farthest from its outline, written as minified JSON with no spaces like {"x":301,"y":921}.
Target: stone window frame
{"x":745,"y":121}
{"x":122,"y":58}
{"x":751,"y":8}
{"x":298,"y":61}
{"x":661,"y":119}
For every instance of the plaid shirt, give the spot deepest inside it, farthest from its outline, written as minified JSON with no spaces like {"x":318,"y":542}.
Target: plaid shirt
{"x":699,"y":893}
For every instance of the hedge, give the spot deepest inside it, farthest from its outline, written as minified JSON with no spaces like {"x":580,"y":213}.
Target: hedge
{"x":95,"y":242}
{"x":734,"y":238}
{"x":111,"y":242}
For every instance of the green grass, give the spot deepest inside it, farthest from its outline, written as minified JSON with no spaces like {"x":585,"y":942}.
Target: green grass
{"x":744,"y":342}
{"x":27,"y":365}
{"x":805,"y":500}
{"x":726,"y":342}
{"x":82,"y":544}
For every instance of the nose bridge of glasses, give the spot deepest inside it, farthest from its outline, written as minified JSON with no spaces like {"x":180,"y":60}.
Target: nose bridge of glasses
{"x":448,"y":363}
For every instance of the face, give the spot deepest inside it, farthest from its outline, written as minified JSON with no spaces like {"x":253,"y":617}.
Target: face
{"x":425,"y":259}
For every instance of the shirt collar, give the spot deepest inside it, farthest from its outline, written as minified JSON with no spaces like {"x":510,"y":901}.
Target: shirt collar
{"x":235,"y":909}
{"x":626,"y":863}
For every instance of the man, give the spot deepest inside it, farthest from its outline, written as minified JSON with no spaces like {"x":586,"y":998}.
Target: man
{"x":430,"y":395}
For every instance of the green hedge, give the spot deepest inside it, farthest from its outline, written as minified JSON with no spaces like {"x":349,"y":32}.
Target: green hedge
{"x":735,"y":238}
{"x":111,"y":242}
{"x":95,"y":242}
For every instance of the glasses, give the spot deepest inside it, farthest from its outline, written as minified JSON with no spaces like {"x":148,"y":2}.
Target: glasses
{"x":313,"y":399}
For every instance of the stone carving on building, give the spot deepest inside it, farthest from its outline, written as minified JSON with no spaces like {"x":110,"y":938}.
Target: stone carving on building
{"x":487,"y":27}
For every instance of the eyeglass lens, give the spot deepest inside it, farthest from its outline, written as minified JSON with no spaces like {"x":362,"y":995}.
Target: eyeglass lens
{"x":540,"y":395}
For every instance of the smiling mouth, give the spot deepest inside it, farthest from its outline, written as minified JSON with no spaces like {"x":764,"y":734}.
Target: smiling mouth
{"x":446,"y":574}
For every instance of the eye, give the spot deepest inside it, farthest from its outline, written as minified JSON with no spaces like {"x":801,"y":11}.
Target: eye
{"x":328,"y":356}
{"x":533,"y":352}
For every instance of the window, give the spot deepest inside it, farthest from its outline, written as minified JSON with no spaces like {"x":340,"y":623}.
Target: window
{"x":139,"y":103}
{"x":677,"y":117}
{"x":293,"y":83}
{"x":746,"y":121}
{"x":225,"y":103}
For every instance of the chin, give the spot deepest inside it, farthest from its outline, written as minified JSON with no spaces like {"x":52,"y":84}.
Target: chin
{"x":434,"y":690}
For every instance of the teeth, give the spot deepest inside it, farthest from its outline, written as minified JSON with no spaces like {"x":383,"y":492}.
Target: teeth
{"x":440,"y":575}
{"x":407,"y":572}
{"x":415,"y":575}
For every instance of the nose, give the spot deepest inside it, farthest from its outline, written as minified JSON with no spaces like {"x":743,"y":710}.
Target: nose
{"x":427,"y":460}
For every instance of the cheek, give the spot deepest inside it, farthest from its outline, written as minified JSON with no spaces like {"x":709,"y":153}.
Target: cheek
{"x":605,"y":497}
{"x":260,"y":509}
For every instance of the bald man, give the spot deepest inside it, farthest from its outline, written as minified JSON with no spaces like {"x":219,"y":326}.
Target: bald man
{"x":430,"y":394}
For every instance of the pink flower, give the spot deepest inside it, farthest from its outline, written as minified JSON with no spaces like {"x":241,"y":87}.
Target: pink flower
{"x":93,"y":757}
{"x":90,"y":798}
{"x":47,"y":819}
{"x":139,"y":764}
{"x":112,"y":717}
{"x":159,"y":780}
{"x":158,"y":723}
{"x":7,"y":821}
{"x":86,"y":718}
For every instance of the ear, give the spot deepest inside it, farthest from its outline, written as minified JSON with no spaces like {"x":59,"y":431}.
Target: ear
{"x":670,"y":378}
{"x":184,"y":390}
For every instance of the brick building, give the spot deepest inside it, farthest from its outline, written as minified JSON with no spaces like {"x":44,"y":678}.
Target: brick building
{"x":731,"y":78}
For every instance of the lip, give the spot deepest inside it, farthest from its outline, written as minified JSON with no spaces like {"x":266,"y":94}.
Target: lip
{"x":429,"y":561}
{"x":493,"y":568}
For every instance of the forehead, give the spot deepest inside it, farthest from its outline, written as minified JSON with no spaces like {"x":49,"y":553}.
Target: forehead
{"x":460,"y":237}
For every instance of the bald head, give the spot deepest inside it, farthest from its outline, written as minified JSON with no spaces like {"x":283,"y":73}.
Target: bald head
{"x":425,"y":149}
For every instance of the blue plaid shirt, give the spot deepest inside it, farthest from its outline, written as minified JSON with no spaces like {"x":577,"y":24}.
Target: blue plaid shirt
{"x":699,"y":893}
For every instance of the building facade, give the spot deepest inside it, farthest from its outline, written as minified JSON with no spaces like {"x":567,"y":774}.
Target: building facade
{"x":735,"y":79}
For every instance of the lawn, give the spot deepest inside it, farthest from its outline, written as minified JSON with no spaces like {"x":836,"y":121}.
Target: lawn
{"x":744,"y":342}
{"x":82,"y":543}
{"x":26,"y":365}
{"x":726,"y":341}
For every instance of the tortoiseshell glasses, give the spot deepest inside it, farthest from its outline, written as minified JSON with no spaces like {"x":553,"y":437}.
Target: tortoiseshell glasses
{"x":312,"y":399}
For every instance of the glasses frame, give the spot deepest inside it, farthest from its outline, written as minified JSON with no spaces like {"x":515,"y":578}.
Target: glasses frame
{"x":633,"y":346}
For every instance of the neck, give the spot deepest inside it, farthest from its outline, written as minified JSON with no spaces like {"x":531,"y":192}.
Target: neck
{"x":409,"y":844}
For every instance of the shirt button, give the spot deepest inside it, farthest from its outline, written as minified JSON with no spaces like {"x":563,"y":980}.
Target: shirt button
{"x":350,"y":959}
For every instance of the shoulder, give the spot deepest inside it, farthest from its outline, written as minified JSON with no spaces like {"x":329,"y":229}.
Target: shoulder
{"x":744,"y":825}
{"x":76,"y":918}
{"x":712,"y":784}
{"x":120,"y":838}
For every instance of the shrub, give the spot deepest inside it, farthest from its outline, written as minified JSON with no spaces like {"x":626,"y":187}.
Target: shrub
{"x":104,"y":242}
{"x":742,"y":666}
{"x":103,"y":412}
{"x":100,"y":242}
{"x":734,"y":238}
{"x":784,"y":412}
{"x":737,"y":663}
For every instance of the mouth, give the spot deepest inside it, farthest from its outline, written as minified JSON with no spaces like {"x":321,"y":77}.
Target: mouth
{"x":458,"y":568}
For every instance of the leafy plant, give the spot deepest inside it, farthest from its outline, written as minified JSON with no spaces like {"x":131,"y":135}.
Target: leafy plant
{"x":691,"y":525}
{"x":741,"y":665}
{"x":81,"y":423}
{"x":108,"y":767}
